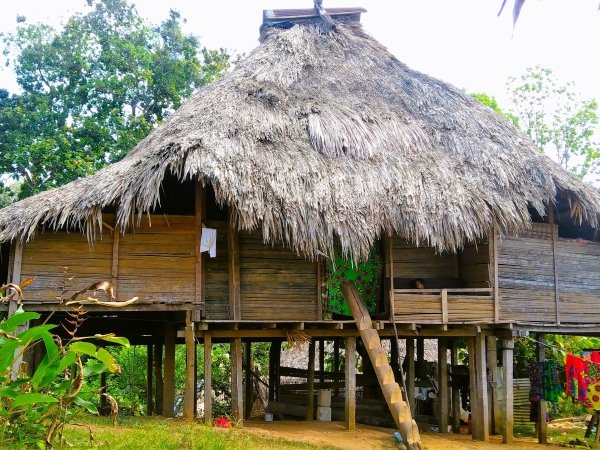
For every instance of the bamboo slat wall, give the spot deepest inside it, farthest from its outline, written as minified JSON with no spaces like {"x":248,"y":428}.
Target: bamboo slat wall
{"x":216,"y":273}
{"x":157,"y":260}
{"x":45,"y":256}
{"x":578,"y":271}
{"x":276,"y":284}
{"x":527,"y":278}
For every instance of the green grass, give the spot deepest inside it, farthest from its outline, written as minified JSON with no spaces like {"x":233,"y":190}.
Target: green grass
{"x":561,"y":436}
{"x":160,"y":433}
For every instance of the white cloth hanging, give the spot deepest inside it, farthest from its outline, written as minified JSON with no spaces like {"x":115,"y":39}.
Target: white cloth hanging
{"x":208,"y":241}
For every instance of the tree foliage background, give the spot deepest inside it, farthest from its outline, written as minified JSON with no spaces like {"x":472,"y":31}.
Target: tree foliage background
{"x":92,"y":90}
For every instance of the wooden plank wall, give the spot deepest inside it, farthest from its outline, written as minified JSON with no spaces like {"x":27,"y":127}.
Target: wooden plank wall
{"x":474,"y":265}
{"x":276,"y":284}
{"x":157,"y":260}
{"x":578,"y":273}
{"x":216,"y":273}
{"x":526,"y":276}
{"x":411,"y":262}
{"x":45,"y":256}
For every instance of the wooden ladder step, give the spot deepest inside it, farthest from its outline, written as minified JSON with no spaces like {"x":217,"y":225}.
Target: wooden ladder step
{"x":370,"y":338}
{"x":385,"y":375}
{"x":379,"y":357}
{"x":392,"y":392}
{"x":400,"y":412}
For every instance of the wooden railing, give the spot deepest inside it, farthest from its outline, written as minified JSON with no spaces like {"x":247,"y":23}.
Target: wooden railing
{"x":444,"y":306}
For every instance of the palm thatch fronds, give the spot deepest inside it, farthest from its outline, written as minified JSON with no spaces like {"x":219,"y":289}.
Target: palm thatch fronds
{"x":321,"y":134}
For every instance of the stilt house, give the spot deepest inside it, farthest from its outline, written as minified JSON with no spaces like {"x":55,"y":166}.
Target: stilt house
{"x":319,"y":150}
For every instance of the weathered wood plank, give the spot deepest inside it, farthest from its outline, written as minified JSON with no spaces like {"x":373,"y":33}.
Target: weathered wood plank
{"x":350,"y":403}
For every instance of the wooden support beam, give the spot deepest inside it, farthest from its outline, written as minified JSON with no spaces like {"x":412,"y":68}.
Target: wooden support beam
{"x":389,"y":258}
{"x":319,"y":269}
{"x":169,"y":380}
{"x":410,"y":373}
{"x":507,"y":371}
{"x":207,"y":378}
{"x":554,"y":261}
{"x":492,"y":382}
{"x":310,"y":382}
{"x":479,"y":399}
{"x":420,"y":352}
{"x":350,"y":404}
{"x":542,"y":426}
{"x":336,"y":363}
{"x":233,"y":248}
{"x":444,"y":397}
{"x":158,"y":377}
{"x":114,"y":270}
{"x":445,"y":306}
{"x":494,"y":254}
{"x":322,"y":360}
{"x":198,"y":264}
{"x":149,"y":383}
{"x":248,"y":395}
{"x":15,"y":274}
{"x":103,"y":400}
{"x":237,"y":393}
{"x":190,"y":368}
{"x":456,"y":400}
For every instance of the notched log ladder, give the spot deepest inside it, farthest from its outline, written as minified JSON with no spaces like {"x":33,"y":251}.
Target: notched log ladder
{"x":391,"y":390}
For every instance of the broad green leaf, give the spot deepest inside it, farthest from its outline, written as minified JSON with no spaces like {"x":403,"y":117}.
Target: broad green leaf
{"x":84,"y":348}
{"x":114,"y":339}
{"x":36,"y":333}
{"x":8,"y":391}
{"x":107,"y":359}
{"x":29,"y":399}
{"x":18,"y":319}
{"x":86,"y":404}
{"x":94,"y":369}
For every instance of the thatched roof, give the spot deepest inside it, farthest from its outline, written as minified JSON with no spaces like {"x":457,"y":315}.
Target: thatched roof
{"x":321,"y":134}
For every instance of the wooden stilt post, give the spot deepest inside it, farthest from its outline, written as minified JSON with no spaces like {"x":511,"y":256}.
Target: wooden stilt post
{"x":149,"y":384}
{"x":394,"y":358}
{"x":492,"y":370}
{"x":169,"y":381}
{"x":322,"y":361}
{"x":479,"y":398}
{"x":207,"y":377}
{"x":310,"y":382}
{"x":237,"y":394}
{"x":507,"y":371}
{"x":103,"y":401}
{"x":420,"y":355}
{"x":190,"y":368}
{"x":456,"y":400}
{"x":410,"y":373}
{"x":248,"y":397}
{"x":473,"y":389}
{"x":444,"y":398}
{"x":272,"y":356}
{"x":350,"y":405}
{"x":336,"y":364}
{"x":542,"y":426}
{"x":158,"y":377}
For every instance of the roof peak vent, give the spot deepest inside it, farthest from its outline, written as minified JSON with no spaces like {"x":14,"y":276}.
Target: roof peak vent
{"x":286,"y":18}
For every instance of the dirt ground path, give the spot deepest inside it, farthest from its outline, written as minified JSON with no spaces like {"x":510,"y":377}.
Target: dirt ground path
{"x":333,"y":434}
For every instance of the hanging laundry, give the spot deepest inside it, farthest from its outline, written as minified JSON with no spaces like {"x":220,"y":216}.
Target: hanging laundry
{"x":536,"y":392}
{"x":551,"y":384}
{"x":208,"y":241}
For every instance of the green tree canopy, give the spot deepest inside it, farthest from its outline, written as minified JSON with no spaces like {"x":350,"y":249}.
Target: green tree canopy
{"x":557,"y":120}
{"x":93,"y":89}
